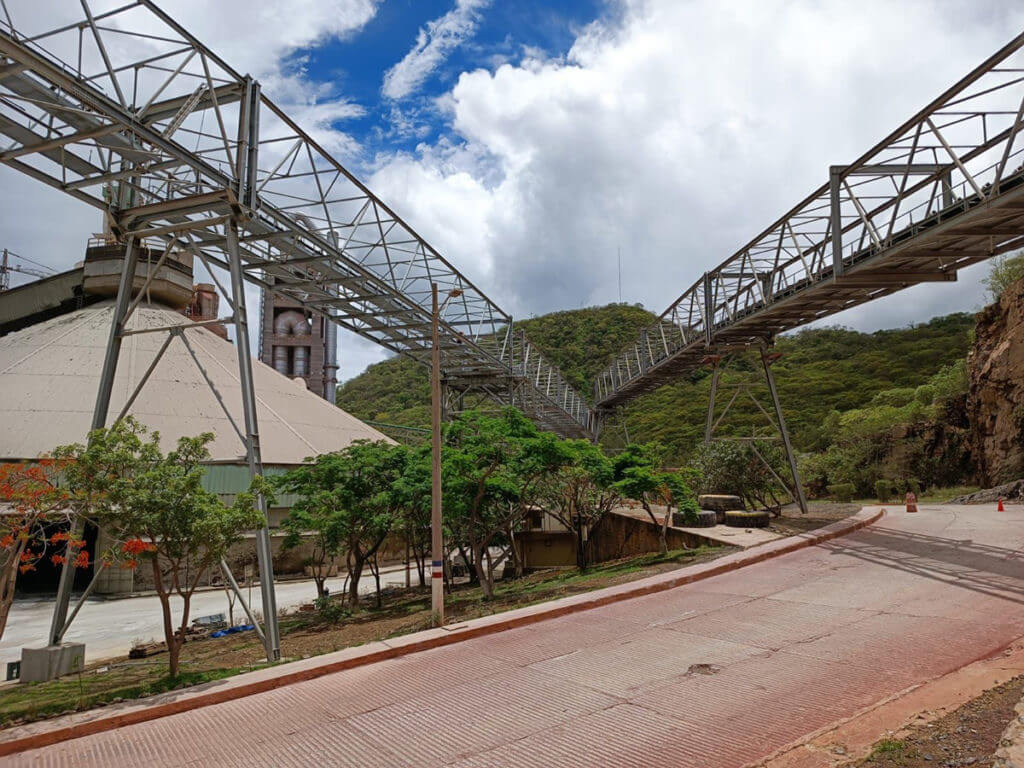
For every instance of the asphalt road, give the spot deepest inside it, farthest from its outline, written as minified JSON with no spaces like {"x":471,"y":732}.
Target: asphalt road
{"x":714,"y":674}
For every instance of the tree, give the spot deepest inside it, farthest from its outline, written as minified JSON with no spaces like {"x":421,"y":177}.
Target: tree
{"x":155,"y":507}
{"x":581,"y":493}
{"x":33,"y":525}
{"x":347,"y":498}
{"x":1005,"y":271}
{"x":314,"y":519}
{"x":493,"y":466}
{"x":412,"y":491}
{"x":637,"y":475}
{"x":749,"y":470}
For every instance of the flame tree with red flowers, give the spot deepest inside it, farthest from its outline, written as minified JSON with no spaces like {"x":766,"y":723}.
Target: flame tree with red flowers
{"x":155,"y":510}
{"x":32,"y":506}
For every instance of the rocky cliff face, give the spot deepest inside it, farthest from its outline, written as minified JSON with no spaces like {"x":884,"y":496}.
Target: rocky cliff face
{"x":995,"y":400}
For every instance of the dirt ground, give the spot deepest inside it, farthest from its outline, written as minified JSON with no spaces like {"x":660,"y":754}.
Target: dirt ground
{"x":819,"y":514}
{"x":967,"y":736}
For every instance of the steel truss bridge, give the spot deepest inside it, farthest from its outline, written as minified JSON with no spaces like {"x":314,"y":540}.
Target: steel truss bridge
{"x":943,"y":191}
{"x":117,"y":105}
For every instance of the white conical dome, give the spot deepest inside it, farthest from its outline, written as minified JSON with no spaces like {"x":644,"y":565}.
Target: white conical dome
{"x":49,"y":374}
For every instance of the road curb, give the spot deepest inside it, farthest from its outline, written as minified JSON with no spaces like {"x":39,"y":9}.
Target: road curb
{"x":74,"y":726}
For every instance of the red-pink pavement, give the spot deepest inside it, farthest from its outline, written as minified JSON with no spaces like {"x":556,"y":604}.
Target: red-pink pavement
{"x":721,"y":672}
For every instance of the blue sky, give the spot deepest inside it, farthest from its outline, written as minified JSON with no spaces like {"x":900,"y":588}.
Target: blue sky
{"x":503,"y":31}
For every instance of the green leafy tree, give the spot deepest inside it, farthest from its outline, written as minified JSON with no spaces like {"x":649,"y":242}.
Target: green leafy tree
{"x":155,"y":505}
{"x":1005,"y":271}
{"x":637,"y":475}
{"x":412,"y":492}
{"x":347,"y":499}
{"x":751,"y":470}
{"x":493,"y":468}
{"x":581,"y":493}
{"x":313,"y":520}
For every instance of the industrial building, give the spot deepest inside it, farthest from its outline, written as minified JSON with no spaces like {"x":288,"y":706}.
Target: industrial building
{"x":53,"y":334}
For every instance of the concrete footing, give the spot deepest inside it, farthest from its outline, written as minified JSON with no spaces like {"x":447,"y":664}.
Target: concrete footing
{"x":42,"y":664}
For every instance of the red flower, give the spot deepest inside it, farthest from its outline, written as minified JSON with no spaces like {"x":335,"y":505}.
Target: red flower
{"x":82,"y":560}
{"x":137,"y":547}
{"x":7,"y":541}
{"x":57,"y":559}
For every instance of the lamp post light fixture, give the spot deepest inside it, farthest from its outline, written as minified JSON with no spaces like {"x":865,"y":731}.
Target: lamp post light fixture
{"x":436,"y":534}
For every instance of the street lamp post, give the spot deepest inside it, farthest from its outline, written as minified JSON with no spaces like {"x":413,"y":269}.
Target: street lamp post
{"x":436,"y":534}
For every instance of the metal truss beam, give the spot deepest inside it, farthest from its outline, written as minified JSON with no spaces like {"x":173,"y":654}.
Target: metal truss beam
{"x":120,"y":107}
{"x":941,"y":192}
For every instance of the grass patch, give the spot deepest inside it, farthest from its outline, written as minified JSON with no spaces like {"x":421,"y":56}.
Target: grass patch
{"x":888,"y":748}
{"x":35,"y":701}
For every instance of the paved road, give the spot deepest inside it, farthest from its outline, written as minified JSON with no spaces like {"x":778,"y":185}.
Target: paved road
{"x":709,"y":675}
{"x":108,"y":627}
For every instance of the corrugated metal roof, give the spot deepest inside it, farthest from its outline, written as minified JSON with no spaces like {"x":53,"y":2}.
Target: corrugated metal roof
{"x":49,"y":374}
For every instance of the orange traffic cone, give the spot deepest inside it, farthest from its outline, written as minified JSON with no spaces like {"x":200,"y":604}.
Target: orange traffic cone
{"x":1000,"y":507}
{"x":911,"y":502}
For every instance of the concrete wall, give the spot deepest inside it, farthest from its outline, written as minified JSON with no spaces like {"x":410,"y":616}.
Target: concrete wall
{"x":619,"y":536}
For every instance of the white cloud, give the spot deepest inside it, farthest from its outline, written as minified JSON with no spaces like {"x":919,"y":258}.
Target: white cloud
{"x":433,"y":45}
{"x":678,"y":131}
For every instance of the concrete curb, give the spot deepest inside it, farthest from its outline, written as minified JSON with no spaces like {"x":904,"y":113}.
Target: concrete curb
{"x":80,"y":724}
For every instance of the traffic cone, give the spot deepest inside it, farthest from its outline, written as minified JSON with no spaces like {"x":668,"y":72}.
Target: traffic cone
{"x":1000,"y":507}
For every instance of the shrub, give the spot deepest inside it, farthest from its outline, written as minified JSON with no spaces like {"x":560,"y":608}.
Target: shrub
{"x":330,"y":611}
{"x":895,"y":398}
{"x":925,"y":394}
{"x":883,"y":490}
{"x":689,"y":513}
{"x":1006,"y":270}
{"x":842,"y":491}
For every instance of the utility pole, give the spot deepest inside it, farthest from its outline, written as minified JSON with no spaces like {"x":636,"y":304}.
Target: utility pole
{"x":436,"y":532}
{"x":436,"y":535}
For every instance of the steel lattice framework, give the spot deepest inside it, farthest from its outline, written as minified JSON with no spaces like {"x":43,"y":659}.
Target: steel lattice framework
{"x":941,"y":192}
{"x":120,"y":107}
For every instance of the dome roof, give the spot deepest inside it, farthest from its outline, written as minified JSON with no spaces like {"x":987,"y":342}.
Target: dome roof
{"x":49,"y":374}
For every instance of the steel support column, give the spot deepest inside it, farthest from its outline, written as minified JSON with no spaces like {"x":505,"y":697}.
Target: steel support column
{"x":272,"y":639}
{"x":99,"y":420}
{"x":798,"y":488}
{"x":835,"y":178}
{"x":709,"y":425}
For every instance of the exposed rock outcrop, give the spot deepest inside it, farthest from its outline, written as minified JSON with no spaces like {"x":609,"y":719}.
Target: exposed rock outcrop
{"x":995,"y":400}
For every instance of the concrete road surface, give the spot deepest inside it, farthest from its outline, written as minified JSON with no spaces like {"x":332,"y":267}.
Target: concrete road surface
{"x":108,"y":627}
{"x":709,"y":675}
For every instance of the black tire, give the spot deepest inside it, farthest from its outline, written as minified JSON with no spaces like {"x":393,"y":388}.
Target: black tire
{"x":707,"y":518}
{"x":739,"y":518}
{"x":719,"y":515}
{"x":719,"y":502}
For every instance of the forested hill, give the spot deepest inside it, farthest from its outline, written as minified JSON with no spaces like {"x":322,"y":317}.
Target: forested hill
{"x":821,"y":371}
{"x":580,"y":342}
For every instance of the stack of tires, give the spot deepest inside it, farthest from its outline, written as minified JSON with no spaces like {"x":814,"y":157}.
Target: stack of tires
{"x":730,"y":510}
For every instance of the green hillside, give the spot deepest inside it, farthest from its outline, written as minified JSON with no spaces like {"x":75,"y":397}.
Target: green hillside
{"x":821,"y":371}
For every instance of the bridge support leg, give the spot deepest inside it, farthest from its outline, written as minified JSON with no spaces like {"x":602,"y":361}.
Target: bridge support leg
{"x":271,"y":634}
{"x":709,"y":426}
{"x":798,"y":488}
{"x":99,"y":420}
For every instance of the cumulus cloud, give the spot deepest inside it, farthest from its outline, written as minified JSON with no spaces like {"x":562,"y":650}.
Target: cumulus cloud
{"x":433,"y":45}
{"x":677,"y":131}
